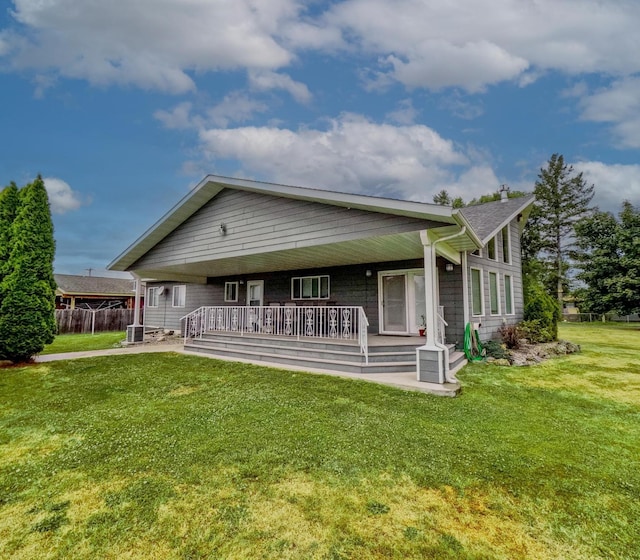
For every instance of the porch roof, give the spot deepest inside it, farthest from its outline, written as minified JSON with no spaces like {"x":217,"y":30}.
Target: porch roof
{"x":389,"y":247}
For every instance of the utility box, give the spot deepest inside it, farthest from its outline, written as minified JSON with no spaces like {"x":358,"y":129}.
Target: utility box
{"x":135,"y":333}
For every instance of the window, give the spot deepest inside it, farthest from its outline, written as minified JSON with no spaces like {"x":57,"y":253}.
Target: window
{"x":310,"y":287}
{"x":491,"y":249}
{"x":179,"y":296}
{"x":508,"y":295}
{"x":153,"y":296}
{"x":506,"y":245}
{"x":476,"y":291}
{"x":494,"y":297}
{"x":477,"y":253}
{"x":230,"y":291}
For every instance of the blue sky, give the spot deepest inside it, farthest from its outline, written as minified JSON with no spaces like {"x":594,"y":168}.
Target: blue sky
{"x":124,"y":106}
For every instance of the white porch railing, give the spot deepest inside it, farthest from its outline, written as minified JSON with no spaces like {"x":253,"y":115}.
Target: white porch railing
{"x":334,"y":322}
{"x":441,"y":324}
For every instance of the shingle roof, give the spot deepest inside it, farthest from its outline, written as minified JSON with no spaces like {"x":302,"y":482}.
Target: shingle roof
{"x":487,"y":219}
{"x":72,"y":284}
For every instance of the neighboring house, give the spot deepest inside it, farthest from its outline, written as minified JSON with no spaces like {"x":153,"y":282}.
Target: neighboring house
{"x":93,"y":292}
{"x":302,"y":276}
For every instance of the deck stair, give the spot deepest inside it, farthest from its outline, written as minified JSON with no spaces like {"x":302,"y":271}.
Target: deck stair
{"x":386,"y":354}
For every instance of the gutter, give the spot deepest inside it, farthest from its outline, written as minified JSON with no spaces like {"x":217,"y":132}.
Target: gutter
{"x":443,"y":347}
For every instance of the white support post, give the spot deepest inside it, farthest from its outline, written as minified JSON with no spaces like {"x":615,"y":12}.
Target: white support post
{"x":430,"y":357}
{"x":136,"y":305}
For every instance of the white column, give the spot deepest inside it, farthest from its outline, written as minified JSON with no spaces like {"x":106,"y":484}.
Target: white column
{"x":136,"y":305}
{"x":430,"y":279}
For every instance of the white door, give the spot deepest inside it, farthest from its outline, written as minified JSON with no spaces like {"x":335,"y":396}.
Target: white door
{"x":402,"y":305}
{"x":255,"y":292}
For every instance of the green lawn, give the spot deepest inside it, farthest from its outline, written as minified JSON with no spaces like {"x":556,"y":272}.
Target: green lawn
{"x":81,"y":342}
{"x":171,"y":456}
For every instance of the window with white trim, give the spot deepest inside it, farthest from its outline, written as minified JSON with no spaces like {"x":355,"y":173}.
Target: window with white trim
{"x":506,"y":244}
{"x":477,"y":298}
{"x":310,"y":287}
{"x":179,"y":296}
{"x":153,"y":297}
{"x":508,"y":294}
{"x":494,"y":294}
{"x":231,"y":291}
{"x":491,"y":249}
{"x":477,"y":253}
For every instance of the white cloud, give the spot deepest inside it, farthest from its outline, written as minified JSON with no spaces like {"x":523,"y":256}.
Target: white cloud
{"x":405,"y":113}
{"x":177,"y":118}
{"x":614,"y":183}
{"x":152,"y":44}
{"x":355,"y":155}
{"x":62,"y":197}
{"x":472,"y":44}
{"x":266,"y":80}
{"x":618,"y":104}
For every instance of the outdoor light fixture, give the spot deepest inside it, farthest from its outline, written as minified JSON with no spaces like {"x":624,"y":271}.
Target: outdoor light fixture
{"x":448,"y":267}
{"x":223,"y":229}
{"x":368,"y":273}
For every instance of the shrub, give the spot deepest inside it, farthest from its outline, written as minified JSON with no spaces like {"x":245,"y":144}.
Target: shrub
{"x":511,"y":336}
{"x":495,"y":350}
{"x":541,"y":313}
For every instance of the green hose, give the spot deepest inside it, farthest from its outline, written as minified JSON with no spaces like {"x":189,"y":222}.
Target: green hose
{"x":472,"y":345}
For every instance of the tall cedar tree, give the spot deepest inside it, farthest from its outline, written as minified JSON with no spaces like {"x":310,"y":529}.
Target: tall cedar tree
{"x":27,"y":310}
{"x":8,"y":208}
{"x":562,"y":199}
{"x":609,"y":258}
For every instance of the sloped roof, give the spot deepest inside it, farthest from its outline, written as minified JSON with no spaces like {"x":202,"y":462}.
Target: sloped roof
{"x":489,"y":218}
{"x":474,"y":219}
{"x":93,"y":285}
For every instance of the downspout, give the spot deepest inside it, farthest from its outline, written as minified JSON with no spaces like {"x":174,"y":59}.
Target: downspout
{"x":136,"y":305}
{"x":438,"y":344}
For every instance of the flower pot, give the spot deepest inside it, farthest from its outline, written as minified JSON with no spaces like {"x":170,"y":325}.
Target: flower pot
{"x":422,"y":331}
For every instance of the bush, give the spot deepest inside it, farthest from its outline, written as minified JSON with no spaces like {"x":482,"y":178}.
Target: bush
{"x":495,"y":350}
{"x":541,"y":314}
{"x":535,"y":332}
{"x":511,"y":336}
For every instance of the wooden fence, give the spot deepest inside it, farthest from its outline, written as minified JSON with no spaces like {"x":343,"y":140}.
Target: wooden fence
{"x":87,"y":321}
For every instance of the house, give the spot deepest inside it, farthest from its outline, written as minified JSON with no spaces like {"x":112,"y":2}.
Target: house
{"x":330,"y":280}
{"x":93,"y":292}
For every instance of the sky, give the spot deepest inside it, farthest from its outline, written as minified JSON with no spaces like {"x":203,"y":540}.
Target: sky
{"x":124,"y":106}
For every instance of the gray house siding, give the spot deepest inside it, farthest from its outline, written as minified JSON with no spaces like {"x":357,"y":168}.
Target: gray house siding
{"x":349,"y":285}
{"x":490,"y":324}
{"x":258,"y":223}
{"x":168,"y":317}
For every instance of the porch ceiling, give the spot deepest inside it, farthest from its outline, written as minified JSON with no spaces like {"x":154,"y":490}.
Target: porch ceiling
{"x":402,"y":246}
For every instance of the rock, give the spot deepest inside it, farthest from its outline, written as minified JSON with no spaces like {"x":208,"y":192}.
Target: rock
{"x":501,"y":362}
{"x":490,"y":359}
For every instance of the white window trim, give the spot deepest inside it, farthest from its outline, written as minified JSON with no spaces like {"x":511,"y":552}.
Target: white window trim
{"x":495,"y":248}
{"x":513,"y":306}
{"x":497,"y":276}
{"x":481,"y":290}
{"x":319,"y":277}
{"x":226,"y":294}
{"x":151,"y":299}
{"x":507,"y":228}
{"x":176,"y":290}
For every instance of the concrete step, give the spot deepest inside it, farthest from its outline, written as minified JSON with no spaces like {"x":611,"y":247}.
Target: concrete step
{"x":302,"y":360}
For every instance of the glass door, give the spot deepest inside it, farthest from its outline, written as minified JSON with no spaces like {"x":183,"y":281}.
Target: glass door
{"x":394,"y":303}
{"x":402,"y":302}
{"x":255,"y":289}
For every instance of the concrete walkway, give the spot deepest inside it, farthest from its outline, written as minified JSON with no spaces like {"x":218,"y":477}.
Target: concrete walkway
{"x":407,"y":381}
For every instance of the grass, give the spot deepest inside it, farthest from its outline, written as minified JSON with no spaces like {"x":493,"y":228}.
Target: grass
{"x":80,"y":342}
{"x":170,"y":456}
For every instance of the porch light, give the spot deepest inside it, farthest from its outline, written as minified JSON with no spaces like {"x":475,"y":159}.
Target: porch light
{"x":368,"y":273}
{"x":448,"y":267}
{"x":223,"y":229}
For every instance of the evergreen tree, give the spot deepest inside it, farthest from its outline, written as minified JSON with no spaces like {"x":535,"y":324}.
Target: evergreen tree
{"x":562,"y":198}
{"x":8,"y":208}
{"x":609,"y":258}
{"x":27,"y":310}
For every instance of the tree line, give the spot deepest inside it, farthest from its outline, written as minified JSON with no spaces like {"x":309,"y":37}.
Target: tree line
{"x":27,"y":285}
